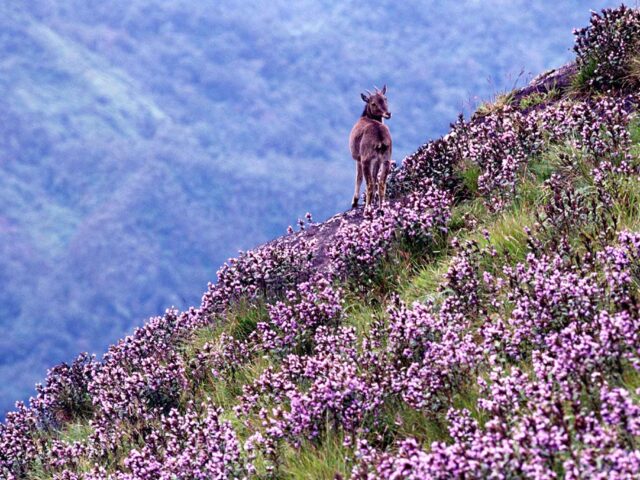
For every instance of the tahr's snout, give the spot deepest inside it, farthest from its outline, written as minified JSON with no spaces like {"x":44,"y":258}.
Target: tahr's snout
{"x":387,"y":115}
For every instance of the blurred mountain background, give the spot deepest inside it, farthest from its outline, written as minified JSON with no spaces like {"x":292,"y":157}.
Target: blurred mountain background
{"x":143,"y":142}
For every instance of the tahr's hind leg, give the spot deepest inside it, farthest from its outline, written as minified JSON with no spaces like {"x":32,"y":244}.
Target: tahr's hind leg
{"x":375,"y":169}
{"x":382,"y":180}
{"x":356,"y":194}
{"x":369,"y":180}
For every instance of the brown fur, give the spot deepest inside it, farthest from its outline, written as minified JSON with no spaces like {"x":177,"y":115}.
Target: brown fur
{"x":370,"y":144}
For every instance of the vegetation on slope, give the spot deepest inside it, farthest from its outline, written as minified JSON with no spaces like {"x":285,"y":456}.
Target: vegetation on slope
{"x":137,"y":139}
{"x":484,"y":322}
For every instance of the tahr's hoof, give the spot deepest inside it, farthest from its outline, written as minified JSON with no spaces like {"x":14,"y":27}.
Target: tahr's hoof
{"x":354,"y":204}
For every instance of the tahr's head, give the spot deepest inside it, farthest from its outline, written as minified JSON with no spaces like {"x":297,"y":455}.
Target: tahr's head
{"x":376,"y":103}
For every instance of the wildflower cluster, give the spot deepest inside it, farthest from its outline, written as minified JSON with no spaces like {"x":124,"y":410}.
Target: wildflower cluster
{"x":358,"y":248}
{"x":434,"y":160}
{"x":194,"y":444}
{"x":219,"y":359}
{"x":309,"y":392}
{"x":574,"y":319}
{"x":65,"y":396}
{"x":292,"y":323}
{"x":604,"y":49}
{"x":598,"y":128}
{"x":501,"y":143}
{"x":265,"y":271}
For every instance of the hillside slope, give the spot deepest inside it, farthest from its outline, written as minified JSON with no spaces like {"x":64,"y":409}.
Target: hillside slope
{"x":144,"y":142}
{"x":484,"y":323}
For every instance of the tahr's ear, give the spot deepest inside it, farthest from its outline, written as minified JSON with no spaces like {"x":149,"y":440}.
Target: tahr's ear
{"x":365,"y":99}
{"x":384,"y":89}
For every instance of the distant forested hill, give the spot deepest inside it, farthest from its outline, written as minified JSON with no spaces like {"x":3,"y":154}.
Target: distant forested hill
{"x":143,"y":142}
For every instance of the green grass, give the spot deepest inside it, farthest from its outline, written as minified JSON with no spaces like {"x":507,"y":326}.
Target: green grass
{"x":400,"y":265}
{"x":539,"y":98}
{"x":631,"y":381}
{"x":627,"y":206}
{"x":498,"y":103}
{"x":36,"y":472}
{"x":199,"y":339}
{"x":506,"y":232}
{"x":580,"y":82}
{"x":405,"y":421}
{"x":76,"y":432}
{"x":239,"y":322}
{"x":402,"y":420}
{"x":542,"y":167}
{"x":225,"y":391}
{"x":467,"y":398}
{"x":424,"y":285}
{"x":469,"y":176}
{"x":633,"y":77}
{"x":634,"y":130}
{"x":81,"y":432}
{"x":360,"y":315}
{"x":317,"y":460}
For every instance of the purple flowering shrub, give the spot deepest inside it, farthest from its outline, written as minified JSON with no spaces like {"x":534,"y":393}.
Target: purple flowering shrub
{"x":219,"y":359}
{"x":266,"y":271}
{"x":535,"y":431}
{"x":604,"y":49}
{"x":524,"y":366}
{"x":435,"y":160}
{"x":331,"y":388}
{"x":142,"y":373}
{"x":500,"y":145}
{"x":135,"y":392}
{"x":427,"y":355}
{"x":196,"y":444}
{"x":65,"y":395}
{"x":292,"y":323}
{"x":546,"y":342}
{"x":598,"y":128}
{"x":20,"y":442}
{"x":419,"y":357}
{"x":574,"y":320}
{"x":358,"y":249}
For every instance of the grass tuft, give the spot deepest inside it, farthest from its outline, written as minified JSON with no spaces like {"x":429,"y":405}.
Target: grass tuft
{"x":633,"y":77}
{"x":470,"y":176}
{"x":495,"y":105}
{"x":76,"y":432}
{"x":539,"y":98}
{"x":580,"y":82}
{"x":320,"y":460}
